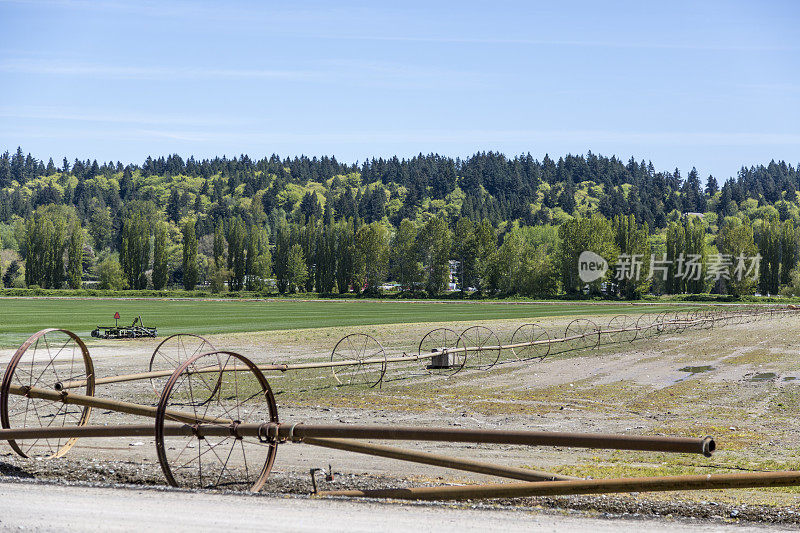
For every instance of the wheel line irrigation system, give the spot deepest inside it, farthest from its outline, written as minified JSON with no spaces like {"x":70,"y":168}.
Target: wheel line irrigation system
{"x":216,"y":421}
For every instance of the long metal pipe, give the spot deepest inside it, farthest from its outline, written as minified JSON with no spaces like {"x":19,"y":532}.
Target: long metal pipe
{"x":280,"y":367}
{"x":583,"y":486}
{"x":68,"y":432}
{"x":300,"y":432}
{"x":113,"y":405}
{"x":704,"y":446}
{"x":321,"y":364}
{"x":433,"y":459}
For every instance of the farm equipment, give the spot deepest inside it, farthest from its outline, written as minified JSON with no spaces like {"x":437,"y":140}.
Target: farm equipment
{"x":136,"y":330}
{"x":215,"y":424}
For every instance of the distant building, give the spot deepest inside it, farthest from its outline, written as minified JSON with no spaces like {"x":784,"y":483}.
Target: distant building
{"x":452,"y":284}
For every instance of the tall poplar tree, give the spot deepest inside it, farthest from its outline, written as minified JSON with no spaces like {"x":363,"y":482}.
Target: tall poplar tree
{"x":405,"y":257}
{"x":135,"y":250}
{"x":75,"y":257}
{"x":190,"y":270}
{"x":160,"y":260}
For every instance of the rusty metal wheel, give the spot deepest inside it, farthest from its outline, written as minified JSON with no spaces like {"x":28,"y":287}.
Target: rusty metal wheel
{"x":440,"y":340}
{"x":688,"y":320}
{"x":645,"y":326}
{"x":621,"y":328}
{"x":692,"y":320}
{"x":709,"y":318}
{"x":662,"y":322}
{"x":481,"y":346}
{"x":535,"y":342}
{"x":673,"y":322}
{"x":698,"y":318}
{"x":243,"y":395}
{"x":581,"y":334}
{"x":368,"y":360}
{"x":684,"y":319}
{"x":172,"y":352}
{"x":48,"y":357}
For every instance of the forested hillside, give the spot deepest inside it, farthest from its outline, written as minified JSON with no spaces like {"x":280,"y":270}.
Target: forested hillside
{"x":488,"y":224}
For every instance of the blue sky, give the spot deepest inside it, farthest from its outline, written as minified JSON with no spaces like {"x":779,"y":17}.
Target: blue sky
{"x":711,"y":84}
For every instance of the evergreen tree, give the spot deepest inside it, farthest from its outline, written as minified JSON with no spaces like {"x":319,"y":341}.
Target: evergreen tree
{"x":711,"y":186}
{"x":18,"y":166}
{"x":566,"y":199}
{"x":174,"y":206}
{"x":11,"y":274}
{"x":5,"y":170}
{"x":310,"y":207}
{"x":126,"y":184}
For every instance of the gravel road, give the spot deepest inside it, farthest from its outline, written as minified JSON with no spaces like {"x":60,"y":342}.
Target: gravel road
{"x":33,"y":506}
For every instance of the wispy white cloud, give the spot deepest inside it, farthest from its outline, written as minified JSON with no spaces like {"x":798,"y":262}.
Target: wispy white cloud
{"x":345,"y":72}
{"x":567,"y":43}
{"x":488,"y":137}
{"x":148,"y":7}
{"x":773,"y":87}
{"x":295,"y":21}
{"x":258,"y":14}
{"x":46,"y":113}
{"x":150,"y":72}
{"x":477,"y":138}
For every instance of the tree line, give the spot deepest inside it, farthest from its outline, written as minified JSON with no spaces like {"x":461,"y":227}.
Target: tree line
{"x":488,"y":224}
{"x":437,"y":256}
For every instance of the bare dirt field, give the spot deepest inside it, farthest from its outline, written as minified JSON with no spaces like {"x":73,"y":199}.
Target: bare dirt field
{"x":738,"y":383}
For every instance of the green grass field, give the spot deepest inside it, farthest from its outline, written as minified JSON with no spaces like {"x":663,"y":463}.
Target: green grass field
{"x":20,"y":317}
